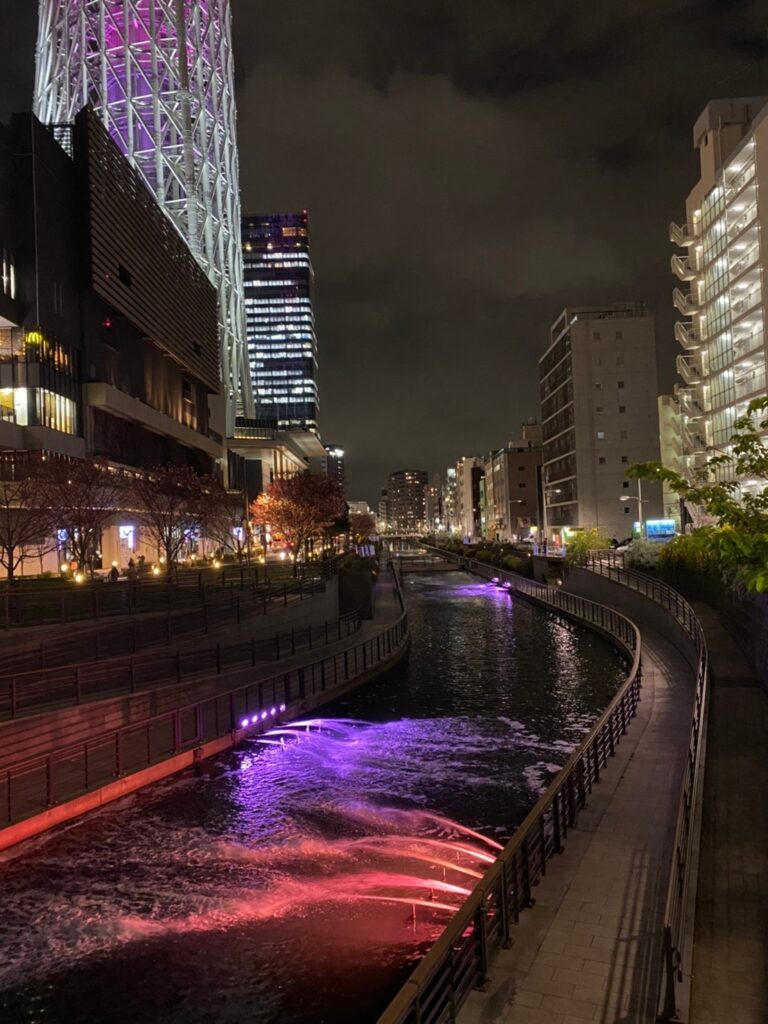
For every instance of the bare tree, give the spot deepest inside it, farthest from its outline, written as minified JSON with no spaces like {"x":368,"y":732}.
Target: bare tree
{"x":26,"y":520}
{"x":83,"y":496}
{"x":225,"y":520}
{"x":170,"y":507}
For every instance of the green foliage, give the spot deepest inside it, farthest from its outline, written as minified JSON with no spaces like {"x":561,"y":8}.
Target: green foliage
{"x":738,"y":545}
{"x":581,"y":543}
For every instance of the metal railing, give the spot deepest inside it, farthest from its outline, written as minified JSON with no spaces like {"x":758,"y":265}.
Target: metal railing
{"x":27,"y":602}
{"x":28,"y":693}
{"x":459,"y":960}
{"x":31,"y":786}
{"x":684,"y":850}
{"x":216,"y":609}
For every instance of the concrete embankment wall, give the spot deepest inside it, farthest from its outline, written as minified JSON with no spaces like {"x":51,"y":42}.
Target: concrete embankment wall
{"x":38,"y":734}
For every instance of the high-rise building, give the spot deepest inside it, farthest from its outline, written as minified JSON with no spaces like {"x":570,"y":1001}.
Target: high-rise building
{"x":108,"y":329}
{"x":671,"y":445}
{"x":332,"y":464}
{"x":599,"y":416}
{"x":160,"y":75}
{"x":469,"y":498}
{"x":282,"y":344}
{"x":722,"y":295}
{"x":405,"y":500}
{"x":450,"y":517}
{"x":433,"y":505}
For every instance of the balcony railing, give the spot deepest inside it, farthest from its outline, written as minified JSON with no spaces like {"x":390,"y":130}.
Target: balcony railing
{"x":690,"y":402}
{"x":741,"y":222}
{"x":737,"y":183}
{"x":745,"y":302}
{"x":682,"y":267}
{"x":684,"y":302}
{"x":750,"y":384}
{"x":745,"y":260}
{"x":689,"y":369}
{"x":746,"y":344}
{"x":687,"y":334}
{"x":681,"y":235}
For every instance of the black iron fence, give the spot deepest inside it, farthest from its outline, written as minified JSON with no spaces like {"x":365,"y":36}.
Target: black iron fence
{"x":27,"y":602}
{"x":26,"y":693}
{"x":459,"y":960}
{"x":215,"y":609}
{"x":34,"y":785}
{"x":676,"y":919}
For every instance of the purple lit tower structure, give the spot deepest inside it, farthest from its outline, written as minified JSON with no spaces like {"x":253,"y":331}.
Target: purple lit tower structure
{"x":160,"y":75}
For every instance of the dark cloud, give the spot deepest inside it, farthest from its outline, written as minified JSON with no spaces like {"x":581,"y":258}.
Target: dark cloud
{"x":469,"y":168}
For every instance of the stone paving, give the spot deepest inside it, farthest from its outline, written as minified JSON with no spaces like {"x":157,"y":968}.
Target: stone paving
{"x":589,"y":950}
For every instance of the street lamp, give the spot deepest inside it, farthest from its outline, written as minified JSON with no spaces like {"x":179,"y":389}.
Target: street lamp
{"x":638,"y":498}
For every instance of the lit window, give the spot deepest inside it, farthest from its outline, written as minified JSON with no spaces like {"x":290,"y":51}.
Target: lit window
{"x":601,"y":435}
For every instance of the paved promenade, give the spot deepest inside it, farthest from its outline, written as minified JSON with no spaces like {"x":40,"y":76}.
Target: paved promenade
{"x":730,"y":953}
{"x":589,"y":950}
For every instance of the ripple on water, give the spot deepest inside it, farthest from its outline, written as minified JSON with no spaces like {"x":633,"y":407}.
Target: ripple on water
{"x":295,"y":868}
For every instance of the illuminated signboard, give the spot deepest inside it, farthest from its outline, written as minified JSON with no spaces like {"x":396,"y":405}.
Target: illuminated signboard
{"x":660,"y":529}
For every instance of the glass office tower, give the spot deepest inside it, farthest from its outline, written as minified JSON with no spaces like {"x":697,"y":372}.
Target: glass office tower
{"x":280,"y":322}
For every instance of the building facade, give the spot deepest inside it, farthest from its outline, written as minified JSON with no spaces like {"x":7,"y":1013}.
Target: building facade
{"x":433,"y":505}
{"x":406,"y":509}
{"x":512,"y":491}
{"x":599,"y":416}
{"x":469,"y":498}
{"x":282,"y":343}
{"x":450,"y":516}
{"x":721,"y":294}
{"x":162,"y":86}
{"x":109,"y":341}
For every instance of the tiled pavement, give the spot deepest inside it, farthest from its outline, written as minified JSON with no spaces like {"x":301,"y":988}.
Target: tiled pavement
{"x":589,"y":950}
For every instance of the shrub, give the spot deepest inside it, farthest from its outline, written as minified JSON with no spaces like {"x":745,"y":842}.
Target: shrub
{"x":643,"y":554}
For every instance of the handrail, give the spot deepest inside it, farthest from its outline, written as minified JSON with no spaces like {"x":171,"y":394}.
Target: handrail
{"x":216,"y":608}
{"x":684,"y":856}
{"x":49,"y":779}
{"x":459,"y":960}
{"x":32,"y":692}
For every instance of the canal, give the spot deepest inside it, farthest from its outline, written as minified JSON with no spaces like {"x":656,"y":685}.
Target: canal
{"x":297,"y":881}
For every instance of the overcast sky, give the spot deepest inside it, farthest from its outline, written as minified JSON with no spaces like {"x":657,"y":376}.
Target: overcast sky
{"x":469,"y":169}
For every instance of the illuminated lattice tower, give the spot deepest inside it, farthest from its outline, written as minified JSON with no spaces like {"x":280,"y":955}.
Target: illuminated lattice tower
{"x":160,"y":74}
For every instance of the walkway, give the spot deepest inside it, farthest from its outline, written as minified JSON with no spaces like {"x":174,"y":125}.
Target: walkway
{"x":589,"y":950}
{"x":730,"y":954}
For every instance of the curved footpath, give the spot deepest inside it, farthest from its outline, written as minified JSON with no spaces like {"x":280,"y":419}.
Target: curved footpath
{"x":590,"y":947}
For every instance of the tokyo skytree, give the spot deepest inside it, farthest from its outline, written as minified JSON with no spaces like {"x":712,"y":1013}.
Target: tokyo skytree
{"x":160,"y":74}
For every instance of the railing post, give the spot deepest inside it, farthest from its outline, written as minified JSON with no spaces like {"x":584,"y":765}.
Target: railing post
{"x":481,"y":925}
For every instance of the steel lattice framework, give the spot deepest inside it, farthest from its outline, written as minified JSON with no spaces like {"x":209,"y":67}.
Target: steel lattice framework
{"x":160,"y":73}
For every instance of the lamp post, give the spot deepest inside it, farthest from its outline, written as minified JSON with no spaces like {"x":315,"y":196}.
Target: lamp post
{"x":638,"y":498}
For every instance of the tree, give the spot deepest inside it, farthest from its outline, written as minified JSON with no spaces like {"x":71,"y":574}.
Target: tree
{"x":225,"y":520}
{"x":301,"y":508}
{"x":26,"y":520}
{"x":739,"y":542}
{"x":581,"y":543}
{"x":83,"y":496}
{"x":170,"y":501}
{"x":362,"y":525}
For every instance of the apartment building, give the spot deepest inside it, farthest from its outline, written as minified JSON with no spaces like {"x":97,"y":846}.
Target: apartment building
{"x":721,"y":290}
{"x":599,"y":416}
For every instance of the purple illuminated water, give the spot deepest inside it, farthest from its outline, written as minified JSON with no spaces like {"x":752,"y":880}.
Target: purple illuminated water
{"x":297,"y":881}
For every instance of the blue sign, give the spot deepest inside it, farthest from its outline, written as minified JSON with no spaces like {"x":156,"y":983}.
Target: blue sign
{"x":660,"y":529}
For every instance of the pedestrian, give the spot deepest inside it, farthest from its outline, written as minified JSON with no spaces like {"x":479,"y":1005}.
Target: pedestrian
{"x":114,"y":574}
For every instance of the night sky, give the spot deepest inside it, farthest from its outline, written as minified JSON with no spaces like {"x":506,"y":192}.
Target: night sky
{"x":469,"y":169}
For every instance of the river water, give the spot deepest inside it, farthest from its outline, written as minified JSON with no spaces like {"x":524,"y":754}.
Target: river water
{"x":297,"y":881}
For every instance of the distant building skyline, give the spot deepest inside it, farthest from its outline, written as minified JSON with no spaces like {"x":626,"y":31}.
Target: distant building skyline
{"x":280,"y":319}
